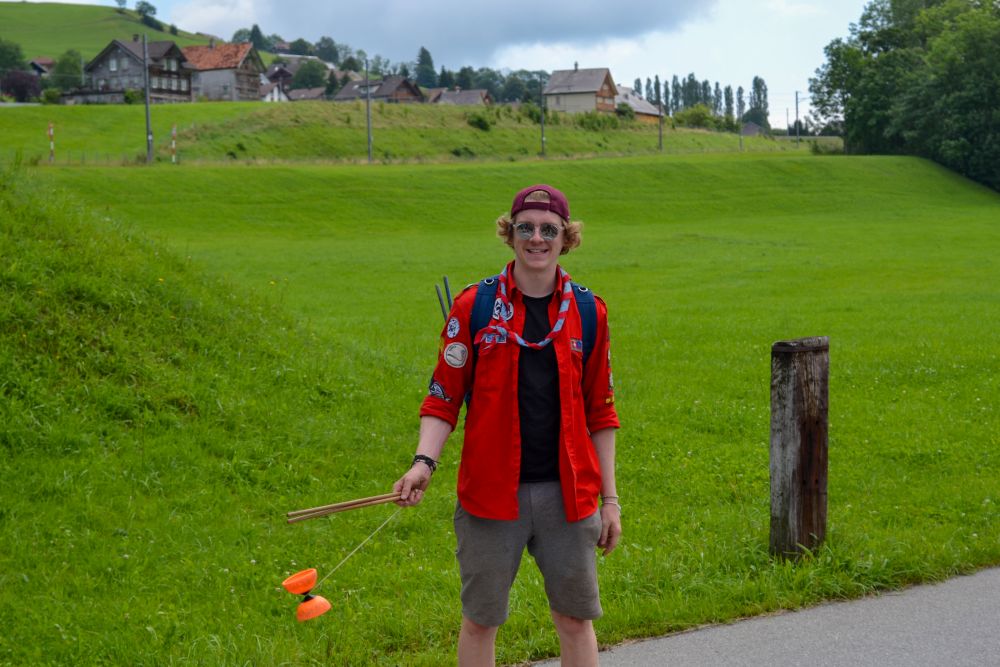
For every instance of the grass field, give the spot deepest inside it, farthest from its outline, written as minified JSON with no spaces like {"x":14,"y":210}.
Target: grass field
{"x":189,"y":352}
{"x":51,"y":28}
{"x":256,"y":133}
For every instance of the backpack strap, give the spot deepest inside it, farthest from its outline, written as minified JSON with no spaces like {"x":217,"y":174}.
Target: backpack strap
{"x":482,"y":313}
{"x":588,"y":318}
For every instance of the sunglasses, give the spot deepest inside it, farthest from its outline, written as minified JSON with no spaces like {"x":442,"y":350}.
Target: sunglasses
{"x":526,"y":230}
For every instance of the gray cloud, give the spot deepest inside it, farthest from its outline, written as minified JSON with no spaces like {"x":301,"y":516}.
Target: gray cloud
{"x":469,"y":33}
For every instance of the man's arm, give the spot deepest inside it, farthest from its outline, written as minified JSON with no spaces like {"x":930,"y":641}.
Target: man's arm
{"x":433,"y":434}
{"x":611,"y":513}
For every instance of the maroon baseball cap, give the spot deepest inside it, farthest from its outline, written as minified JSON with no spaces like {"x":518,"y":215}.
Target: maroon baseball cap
{"x":542,"y":197}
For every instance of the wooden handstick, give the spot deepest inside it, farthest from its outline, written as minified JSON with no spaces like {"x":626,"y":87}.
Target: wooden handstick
{"x":314,"y":512}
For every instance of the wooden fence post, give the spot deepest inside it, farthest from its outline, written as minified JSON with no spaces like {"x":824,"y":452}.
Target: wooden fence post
{"x":800,"y":373}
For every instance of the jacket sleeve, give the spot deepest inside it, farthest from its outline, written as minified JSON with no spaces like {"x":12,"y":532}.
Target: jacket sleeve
{"x":452,"y":375}
{"x":598,"y":382}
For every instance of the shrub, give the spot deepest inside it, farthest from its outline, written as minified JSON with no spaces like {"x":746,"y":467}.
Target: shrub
{"x":697,"y":116}
{"x":51,"y":96}
{"x":625,"y":112}
{"x":480,"y":120}
{"x":596,"y":121}
{"x":134,"y":96}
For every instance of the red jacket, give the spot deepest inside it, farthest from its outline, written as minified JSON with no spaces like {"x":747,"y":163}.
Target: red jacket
{"x":489,"y":473}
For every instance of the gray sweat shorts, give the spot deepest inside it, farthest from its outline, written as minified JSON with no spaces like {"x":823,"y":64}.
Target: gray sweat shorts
{"x":489,"y":554}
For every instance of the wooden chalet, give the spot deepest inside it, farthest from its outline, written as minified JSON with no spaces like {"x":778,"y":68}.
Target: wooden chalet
{"x":118,"y":67}
{"x":397,"y":89}
{"x":581,"y":90}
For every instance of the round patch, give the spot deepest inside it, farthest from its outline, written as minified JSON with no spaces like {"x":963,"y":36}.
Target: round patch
{"x":455,"y":355}
{"x":453,"y":327}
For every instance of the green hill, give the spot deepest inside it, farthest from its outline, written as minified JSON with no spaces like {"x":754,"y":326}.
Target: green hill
{"x":51,"y":29}
{"x":253,"y":132}
{"x":164,"y":402}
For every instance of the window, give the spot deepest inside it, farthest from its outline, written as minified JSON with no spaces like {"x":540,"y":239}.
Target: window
{"x":184,"y":85}
{"x":173,"y":84}
{"x":113,"y":64}
{"x":124,"y":64}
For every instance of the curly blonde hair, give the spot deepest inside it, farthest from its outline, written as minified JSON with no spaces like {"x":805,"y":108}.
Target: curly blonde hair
{"x":572,"y":232}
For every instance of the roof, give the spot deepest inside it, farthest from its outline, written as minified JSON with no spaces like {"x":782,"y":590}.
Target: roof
{"x":300,"y":94}
{"x":157,"y":50}
{"x":565,"y":81}
{"x":44,"y":61}
{"x":218,"y":56}
{"x":627,"y":96}
{"x":471,"y":97}
{"x":380,"y":89}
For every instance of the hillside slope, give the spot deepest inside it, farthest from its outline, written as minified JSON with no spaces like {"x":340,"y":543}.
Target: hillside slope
{"x":253,"y":132}
{"x":50,"y":28}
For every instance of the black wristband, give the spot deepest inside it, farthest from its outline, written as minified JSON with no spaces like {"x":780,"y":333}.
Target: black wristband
{"x":431,"y":463}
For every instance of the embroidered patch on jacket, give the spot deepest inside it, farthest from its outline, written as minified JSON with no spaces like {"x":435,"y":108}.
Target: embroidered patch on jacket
{"x":495,"y":338}
{"x":455,"y":355}
{"x":576,"y":345}
{"x":453,"y":327}
{"x":502,"y":313}
{"x":437,"y":391}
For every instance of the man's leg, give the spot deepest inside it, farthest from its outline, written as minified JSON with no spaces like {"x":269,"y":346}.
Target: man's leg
{"x":476,"y":644}
{"x":577,"y":641}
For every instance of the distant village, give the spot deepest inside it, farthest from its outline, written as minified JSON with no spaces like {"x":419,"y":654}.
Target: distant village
{"x":221,"y":71}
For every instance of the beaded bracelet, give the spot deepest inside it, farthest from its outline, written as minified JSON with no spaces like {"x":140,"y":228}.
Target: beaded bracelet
{"x":426,"y":460}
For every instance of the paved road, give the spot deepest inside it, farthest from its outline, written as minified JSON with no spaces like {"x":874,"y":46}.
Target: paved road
{"x":951,"y":624}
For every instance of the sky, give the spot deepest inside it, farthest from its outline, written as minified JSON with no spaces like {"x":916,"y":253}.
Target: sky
{"x":729,"y":41}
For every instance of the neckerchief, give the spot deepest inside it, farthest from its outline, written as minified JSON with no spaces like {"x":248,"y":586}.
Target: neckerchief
{"x":497,"y":332}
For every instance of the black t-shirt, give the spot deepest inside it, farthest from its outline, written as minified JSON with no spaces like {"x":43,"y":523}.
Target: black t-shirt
{"x":538,"y":396}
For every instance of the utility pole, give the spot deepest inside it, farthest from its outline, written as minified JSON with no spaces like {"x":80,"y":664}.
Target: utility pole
{"x":145,"y":76}
{"x":368,"y":109}
{"x":659,"y":104}
{"x":541,"y":105}
{"x":796,"y":118}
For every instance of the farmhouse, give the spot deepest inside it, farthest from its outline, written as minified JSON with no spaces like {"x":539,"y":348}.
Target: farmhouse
{"x":225,"y":71}
{"x":42,"y":65}
{"x":390,"y":89}
{"x":645,"y":112}
{"x":271,"y":92}
{"x":579,"y":90}
{"x":118,"y":67}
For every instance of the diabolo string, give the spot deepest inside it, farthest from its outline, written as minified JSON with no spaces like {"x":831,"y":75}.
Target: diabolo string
{"x":363,"y":543}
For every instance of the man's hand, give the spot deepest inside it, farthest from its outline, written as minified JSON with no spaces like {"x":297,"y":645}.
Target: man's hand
{"x":611,"y":527}
{"x":411,"y":486}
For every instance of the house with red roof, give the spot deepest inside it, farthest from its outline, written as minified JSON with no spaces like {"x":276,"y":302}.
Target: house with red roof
{"x":229,"y":72}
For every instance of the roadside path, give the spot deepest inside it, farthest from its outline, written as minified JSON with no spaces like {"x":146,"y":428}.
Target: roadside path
{"x":955,"y":623}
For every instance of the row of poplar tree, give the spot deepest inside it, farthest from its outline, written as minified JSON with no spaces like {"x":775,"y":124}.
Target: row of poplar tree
{"x":919,"y":77}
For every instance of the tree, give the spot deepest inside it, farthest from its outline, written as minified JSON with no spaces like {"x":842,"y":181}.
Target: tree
{"x":22,"y":86}
{"x":727,"y":96}
{"x":351,"y":64}
{"x":333,"y":84}
{"x":676,"y":95}
{"x":426,"y":75}
{"x":446,"y":79}
{"x":741,"y":105}
{"x":66,"y":73}
{"x":637,"y":87}
{"x":327,"y":49}
{"x":378,"y":66}
{"x":121,"y":5}
{"x":465,"y":79}
{"x":301,"y":47}
{"x":717,"y":100}
{"x":144,"y":9}
{"x":11,"y":58}
{"x":649,"y":90}
{"x":490,"y":79}
{"x":256,"y":37}
{"x":310,"y":74}
{"x":657,"y":91}
{"x":757,"y":111}
{"x":705,"y":94}
{"x":240,"y":36}
{"x":514,"y":89}
{"x":691,"y":94}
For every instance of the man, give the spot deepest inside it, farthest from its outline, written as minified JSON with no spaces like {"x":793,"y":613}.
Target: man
{"x":539,"y":434}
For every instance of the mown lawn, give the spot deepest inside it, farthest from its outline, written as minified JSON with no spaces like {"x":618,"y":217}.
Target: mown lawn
{"x":309,"y":331}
